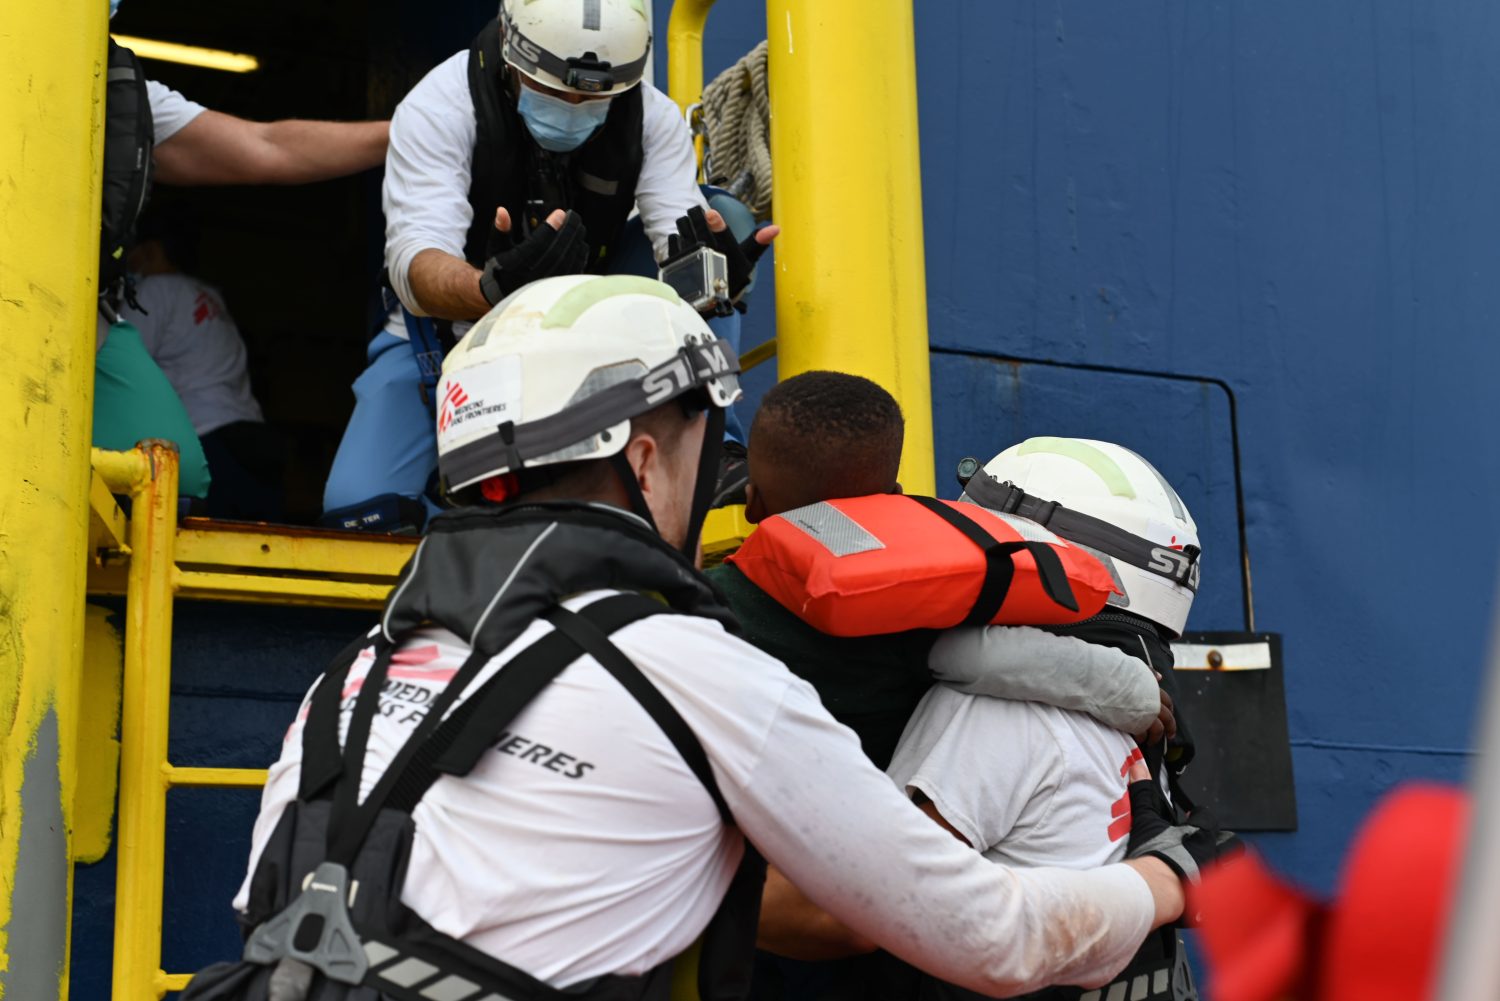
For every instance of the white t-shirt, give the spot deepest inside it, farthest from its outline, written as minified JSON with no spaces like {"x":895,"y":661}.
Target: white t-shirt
{"x":582,"y":845}
{"x":1026,"y":784}
{"x":427,"y":172}
{"x":190,"y":334}
{"x":170,"y":111}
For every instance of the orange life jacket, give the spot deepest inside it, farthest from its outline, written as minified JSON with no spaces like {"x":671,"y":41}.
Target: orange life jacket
{"x":860,"y":566}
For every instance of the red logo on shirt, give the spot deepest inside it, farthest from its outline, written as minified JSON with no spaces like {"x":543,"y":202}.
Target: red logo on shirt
{"x":455,"y":397}
{"x":205,"y":308}
{"x":1120,"y":808}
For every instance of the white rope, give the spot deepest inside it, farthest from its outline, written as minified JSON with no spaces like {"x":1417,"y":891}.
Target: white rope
{"x":737,"y":123}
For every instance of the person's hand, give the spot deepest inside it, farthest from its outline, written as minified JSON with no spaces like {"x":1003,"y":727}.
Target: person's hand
{"x":700,"y":228}
{"x":1164,"y":727}
{"x":560,"y":247}
{"x":1185,"y":848}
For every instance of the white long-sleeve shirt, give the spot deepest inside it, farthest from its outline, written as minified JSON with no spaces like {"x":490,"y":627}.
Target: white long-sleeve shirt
{"x":431,"y":154}
{"x":583,"y":845}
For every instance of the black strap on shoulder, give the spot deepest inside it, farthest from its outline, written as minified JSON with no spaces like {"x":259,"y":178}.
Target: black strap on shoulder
{"x":454,"y":745}
{"x":349,"y":822}
{"x":322,"y":760}
{"x":1000,"y":566}
{"x":589,"y":636}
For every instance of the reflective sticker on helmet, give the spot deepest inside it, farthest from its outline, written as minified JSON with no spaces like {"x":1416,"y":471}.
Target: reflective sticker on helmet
{"x":579,"y":299}
{"x":479,"y":398}
{"x":1105,"y":467}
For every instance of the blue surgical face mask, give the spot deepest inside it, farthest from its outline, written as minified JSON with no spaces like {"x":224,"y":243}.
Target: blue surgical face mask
{"x":557,"y":125}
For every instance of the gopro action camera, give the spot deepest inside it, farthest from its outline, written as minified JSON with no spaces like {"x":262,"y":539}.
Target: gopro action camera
{"x":701,"y":279}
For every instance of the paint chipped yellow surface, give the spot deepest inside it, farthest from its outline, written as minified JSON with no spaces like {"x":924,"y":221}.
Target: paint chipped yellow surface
{"x":52,"y":60}
{"x":98,"y":746}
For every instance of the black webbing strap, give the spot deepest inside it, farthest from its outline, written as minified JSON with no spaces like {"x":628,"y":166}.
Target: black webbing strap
{"x":1000,"y":567}
{"x":592,"y":638}
{"x":356,"y":739}
{"x":322,"y":759}
{"x":1085,"y":530}
{"x":349,"y":821}
{"x":708,"y":480}
{"x":454,"y":745}
{"x":632,"y":486}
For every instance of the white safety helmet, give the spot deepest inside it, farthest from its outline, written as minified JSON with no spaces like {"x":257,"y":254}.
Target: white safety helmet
{"x":557,"y":370}
{"x":580,"y":46}
{"x":1110,"y":501}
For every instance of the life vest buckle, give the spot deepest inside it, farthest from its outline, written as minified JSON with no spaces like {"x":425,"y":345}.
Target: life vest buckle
{"x":315,"y":929}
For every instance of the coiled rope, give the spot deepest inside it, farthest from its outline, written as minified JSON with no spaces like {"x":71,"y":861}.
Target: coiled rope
{"x":737,"y":124}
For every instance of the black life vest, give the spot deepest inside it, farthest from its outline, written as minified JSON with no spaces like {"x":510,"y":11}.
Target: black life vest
{"x":597,"y":180}
{"x":325,"y":914}
{"x":129,"y":138}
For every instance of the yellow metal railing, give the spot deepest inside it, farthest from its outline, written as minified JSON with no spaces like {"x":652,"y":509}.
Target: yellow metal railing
{"x":149,"y":476}
{"x":685,"y":62}
{"x":151,"y":561}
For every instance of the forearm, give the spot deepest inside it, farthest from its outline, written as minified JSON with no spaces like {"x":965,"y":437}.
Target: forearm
{"x":795,"y":927}
{"x":1166,"y":889}
{"x":215,"y":148}
{"x":445,"y":286}
{"x":846,"y":837}
{"x":1031,"y":665}
{"x":306,"y":151}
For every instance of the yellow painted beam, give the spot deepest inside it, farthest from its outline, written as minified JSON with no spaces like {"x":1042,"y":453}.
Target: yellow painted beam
{"x":758,"y":355}
{"x":259,"y":590}
{"x":52,"y":68}
{"x":309,"y":552}
{"x":98,"y":746}
{"x":268,"y":565}
{"x":171,"y":982}
{"x":230,"y":778}
{"x":150,"y":471}
{"x":106,"y":520}
{"x":724,"y":530}
{"x":685,"y":51}
{"x":851,"y":291}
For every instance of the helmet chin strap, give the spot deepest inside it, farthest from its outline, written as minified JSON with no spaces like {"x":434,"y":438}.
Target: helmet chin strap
{"x":633,"y":488}
{"x":708,"y":479}
{"x":703,"y":489}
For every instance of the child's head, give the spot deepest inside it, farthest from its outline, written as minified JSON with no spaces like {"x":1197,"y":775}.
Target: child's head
{"x":822,"y":435}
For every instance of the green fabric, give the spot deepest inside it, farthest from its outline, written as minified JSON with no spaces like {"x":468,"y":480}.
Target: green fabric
{"x":870,"y":684}
{"x":133,"y":401}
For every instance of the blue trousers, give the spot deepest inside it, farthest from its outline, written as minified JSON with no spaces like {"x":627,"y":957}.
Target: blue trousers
{"x":390,"y":445}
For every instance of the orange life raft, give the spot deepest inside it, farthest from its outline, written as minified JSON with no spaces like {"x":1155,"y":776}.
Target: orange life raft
{"x":883,"y":564}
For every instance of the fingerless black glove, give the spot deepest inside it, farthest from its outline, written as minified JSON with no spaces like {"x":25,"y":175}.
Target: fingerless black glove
{"x":739,"y":258}
{"x":1186,"y":848}
{"x":543,"y":254}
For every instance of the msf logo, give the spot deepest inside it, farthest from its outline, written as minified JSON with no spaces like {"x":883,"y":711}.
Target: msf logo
{"x":454,"y":398}
{"x":676,"y":378}
{"x":1176,"y":565}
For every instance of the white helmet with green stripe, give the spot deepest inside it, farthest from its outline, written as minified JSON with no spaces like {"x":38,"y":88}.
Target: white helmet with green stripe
{"x":579,"y":46}
{"x":1109,"y":500}
{"x":556,"y":371}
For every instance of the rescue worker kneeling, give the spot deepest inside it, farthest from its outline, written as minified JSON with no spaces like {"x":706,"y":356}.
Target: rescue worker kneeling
{"x":407,"y":853}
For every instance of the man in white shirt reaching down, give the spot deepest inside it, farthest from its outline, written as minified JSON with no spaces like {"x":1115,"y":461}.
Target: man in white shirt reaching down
{"x":519,"y":158}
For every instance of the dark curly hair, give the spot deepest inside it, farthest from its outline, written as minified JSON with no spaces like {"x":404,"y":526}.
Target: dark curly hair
{"x":827,"y":434}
